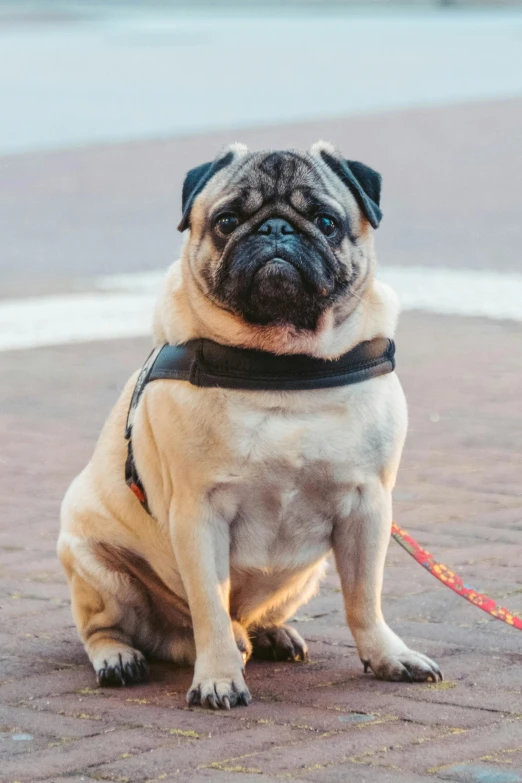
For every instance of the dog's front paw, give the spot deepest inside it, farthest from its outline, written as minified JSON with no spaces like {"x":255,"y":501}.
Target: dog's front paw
{"x":407,"y":666}
{"x":389,"y":658}
{"x":219,"y":693}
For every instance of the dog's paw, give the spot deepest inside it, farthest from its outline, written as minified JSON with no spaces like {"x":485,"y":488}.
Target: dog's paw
{"x":406,"y":666}
{"x":280,"y":643}
{"x":382,"y":651}
{"x":219,"y":693}
{"x":244,"y":645}
{"x":121,"y":667}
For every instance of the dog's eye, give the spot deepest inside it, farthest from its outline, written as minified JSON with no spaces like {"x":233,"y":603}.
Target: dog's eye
{"x":226,"y":224}
{"x":326,"y":225}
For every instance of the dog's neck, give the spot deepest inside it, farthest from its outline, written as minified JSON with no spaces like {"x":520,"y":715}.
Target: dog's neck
{"x":183,"y":313}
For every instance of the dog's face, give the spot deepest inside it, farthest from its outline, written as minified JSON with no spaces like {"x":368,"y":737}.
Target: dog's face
{"x":280,"y":237}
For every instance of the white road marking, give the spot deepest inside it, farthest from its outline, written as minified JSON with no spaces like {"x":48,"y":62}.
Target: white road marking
{"x":75,"y":318}
{"x":467,"y":292}
{"x":122,"y":305}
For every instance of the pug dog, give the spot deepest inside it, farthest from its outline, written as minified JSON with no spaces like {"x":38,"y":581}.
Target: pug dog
{"x":249,"y":491}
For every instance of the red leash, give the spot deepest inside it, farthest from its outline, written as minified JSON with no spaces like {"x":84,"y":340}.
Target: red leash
{"x":451,"y":580}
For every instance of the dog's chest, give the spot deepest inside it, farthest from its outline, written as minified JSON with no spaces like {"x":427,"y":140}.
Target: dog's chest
{"x":292,"y":476}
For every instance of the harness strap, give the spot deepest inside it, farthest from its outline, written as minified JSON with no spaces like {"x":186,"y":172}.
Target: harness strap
{"x":205,"y":364}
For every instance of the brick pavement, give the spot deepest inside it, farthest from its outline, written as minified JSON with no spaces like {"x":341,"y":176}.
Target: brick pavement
{"x":459,"y":491}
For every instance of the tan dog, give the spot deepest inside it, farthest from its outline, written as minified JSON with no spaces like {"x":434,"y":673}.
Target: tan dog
{"x":249,"y":491}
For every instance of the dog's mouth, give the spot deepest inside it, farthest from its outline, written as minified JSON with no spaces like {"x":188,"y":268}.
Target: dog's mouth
{"x":277,"y":291}
{"x":278,"y":268}
{"x":284,"y":282}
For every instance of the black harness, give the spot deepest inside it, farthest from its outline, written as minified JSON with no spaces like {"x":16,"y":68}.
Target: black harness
{"x":205,"y":363}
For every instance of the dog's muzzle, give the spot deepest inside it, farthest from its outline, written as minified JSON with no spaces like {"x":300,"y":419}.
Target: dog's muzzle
{"x":278,"y":274}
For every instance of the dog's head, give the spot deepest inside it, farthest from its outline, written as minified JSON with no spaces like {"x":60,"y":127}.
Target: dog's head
{"x":278,"y":238}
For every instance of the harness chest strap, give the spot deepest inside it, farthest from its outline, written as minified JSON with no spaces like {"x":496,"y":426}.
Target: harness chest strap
{"x":204,"y":363}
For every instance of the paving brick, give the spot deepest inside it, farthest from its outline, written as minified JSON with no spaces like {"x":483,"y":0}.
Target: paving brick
{"x":71,"y":756}
{"x":345,"y":773}
{"x":17,"y":667}
{"x":470,"y":695}
{"x":457,"y":748}
{"x":469,"y":667}
{"x":481,"y":773}
{"x":373,"y":705}
{"x":51,"y":682}
{"x":478,"y":634}
{"x":201,"y":776}
{"x":218,"y":776}
{"x":48,"y":621}
{"x":23,"y":719}
{"x":313,"y":754}
{"x":314,"y":720}
{"x":233,"y":751}
{"x":126,"y":710}
{"x":74,"y":779}
{"x":16,"y":746}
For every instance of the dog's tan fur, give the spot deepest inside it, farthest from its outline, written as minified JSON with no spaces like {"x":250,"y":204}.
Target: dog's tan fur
{"x":249,"y":493}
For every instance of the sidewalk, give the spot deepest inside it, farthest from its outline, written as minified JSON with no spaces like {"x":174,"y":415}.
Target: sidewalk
{"x":459,"y":492}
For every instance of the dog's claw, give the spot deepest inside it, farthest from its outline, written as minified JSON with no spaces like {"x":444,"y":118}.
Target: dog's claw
{"x":194,"y":697}
{"x":124,"y":668}
{"x":244,"y":699}
{"x":406,"y":673}
{"x":219,"y":694}
{"x":407,"y":666}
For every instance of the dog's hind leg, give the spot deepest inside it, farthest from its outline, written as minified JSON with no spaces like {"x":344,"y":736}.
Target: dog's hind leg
{"x":105,"y":629}
{"x":271,"y":639}
{"x":278,"y":643}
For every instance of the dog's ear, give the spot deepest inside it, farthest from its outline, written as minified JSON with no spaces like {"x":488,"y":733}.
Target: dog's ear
{"x":364,"y":182}
{"x":197,"y":178}
{"x":195,"y":181}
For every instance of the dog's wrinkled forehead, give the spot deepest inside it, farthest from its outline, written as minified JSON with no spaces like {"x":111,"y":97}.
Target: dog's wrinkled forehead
{"x":275,"y":173}
{"x":270,"y":178}
{"x":251,"y":180}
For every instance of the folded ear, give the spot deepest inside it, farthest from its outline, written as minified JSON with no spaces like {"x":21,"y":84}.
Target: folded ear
{"x":197,"y":178}
{"x":195,"y":181}
{"x":364,"y":183}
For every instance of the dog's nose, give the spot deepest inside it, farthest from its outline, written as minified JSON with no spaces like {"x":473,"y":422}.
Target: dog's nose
{"x":276,"y":227}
